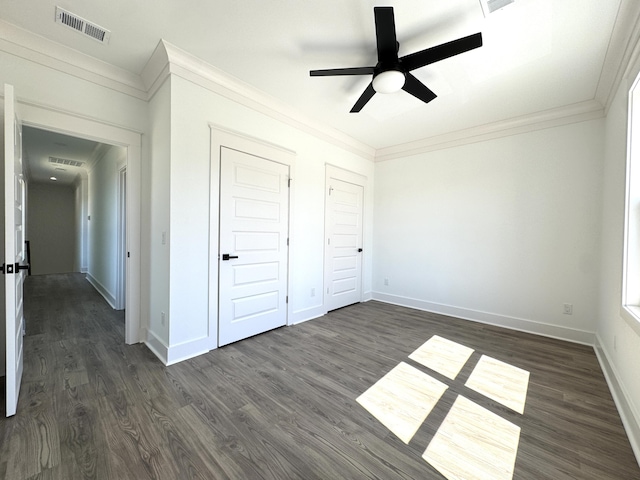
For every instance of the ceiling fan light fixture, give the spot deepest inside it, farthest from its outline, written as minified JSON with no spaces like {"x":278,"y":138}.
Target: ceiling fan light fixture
{"x":390,"y":81}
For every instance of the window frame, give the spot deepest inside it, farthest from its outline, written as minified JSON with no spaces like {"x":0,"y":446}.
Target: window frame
{"x":630,"y":304}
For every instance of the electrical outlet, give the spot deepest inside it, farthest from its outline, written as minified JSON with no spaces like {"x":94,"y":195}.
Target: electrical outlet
{"x":567,"y":309}
{"x":386,"y":282}
{"x":162,"y":318}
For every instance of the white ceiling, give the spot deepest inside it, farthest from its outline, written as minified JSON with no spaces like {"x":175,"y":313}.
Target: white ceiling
{"x":40,"y":145}
{"x":537,"y":54}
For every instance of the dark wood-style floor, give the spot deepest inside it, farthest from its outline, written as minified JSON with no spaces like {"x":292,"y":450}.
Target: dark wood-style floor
{"x":280,"y":405}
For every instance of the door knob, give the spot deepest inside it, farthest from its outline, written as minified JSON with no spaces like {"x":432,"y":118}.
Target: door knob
{"x":226,"y":256}
{"x":359,"y":250}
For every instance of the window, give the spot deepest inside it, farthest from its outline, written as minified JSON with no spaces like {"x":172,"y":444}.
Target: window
{"x":631,"y":265}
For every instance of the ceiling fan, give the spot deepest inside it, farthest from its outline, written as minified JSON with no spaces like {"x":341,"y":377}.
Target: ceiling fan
{"x":392,"y":73}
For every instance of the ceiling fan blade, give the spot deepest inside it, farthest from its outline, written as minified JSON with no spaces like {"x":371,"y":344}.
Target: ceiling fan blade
{"x":342,"y":71}
{"x":446,"y":50}
{"x":386,"y":41}
{"x":418,"y":89}
{"x":364,"y":98}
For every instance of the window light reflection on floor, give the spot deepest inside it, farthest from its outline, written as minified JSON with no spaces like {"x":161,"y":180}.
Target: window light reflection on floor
{"x":442,"y":356}
{"x":501,"y":382}
{"x":402,"y":399}
{"x":472,"y":442}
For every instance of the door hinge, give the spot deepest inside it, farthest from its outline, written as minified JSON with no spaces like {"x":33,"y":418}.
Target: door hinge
{"x":287,"y":242}
{"x":289,"y":183}
{"x":128,"y":254}
{"x":287,"y":299}
{"x":330,"y":190}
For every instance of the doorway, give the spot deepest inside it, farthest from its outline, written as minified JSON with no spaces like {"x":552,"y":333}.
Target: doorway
{"x":92,"y":129}
{"x":16,"y":117}
{"x":76,"y":217}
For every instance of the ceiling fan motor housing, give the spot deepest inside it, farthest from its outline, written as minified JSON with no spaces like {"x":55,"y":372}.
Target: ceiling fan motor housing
{"x":388,"y":81}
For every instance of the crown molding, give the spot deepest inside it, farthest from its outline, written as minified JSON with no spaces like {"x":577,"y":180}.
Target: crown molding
{"x":168,"y":59}
{"x":34,"y":48}
{"x":622,"y":60}
{"x":578,"y":112}
{"x":622,"y":55}
{"x":156,"y":70}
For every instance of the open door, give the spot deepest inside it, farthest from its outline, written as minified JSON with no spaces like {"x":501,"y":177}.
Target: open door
{"x":14,"y":248}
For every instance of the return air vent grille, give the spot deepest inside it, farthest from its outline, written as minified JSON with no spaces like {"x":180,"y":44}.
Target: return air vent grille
{"x":64,"y":161}
{"x":490,"y":6}
{"x":81,"y":25}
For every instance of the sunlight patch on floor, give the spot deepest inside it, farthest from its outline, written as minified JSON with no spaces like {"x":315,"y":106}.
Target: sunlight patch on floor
{"x":402,"y":399}
{"x":442,"y":356}
{"x":474,"y":444}
{"x":501,"y":382}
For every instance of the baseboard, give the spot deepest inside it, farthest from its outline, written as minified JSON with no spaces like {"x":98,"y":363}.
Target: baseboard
{"x":306,"y":314}
{"x":513,"y":323}
{"x":628,"y":413}
{"x":157,"y":346}
{"x":178,"y":353}
{"x":102,"y":290}
{"x":187,"y":350}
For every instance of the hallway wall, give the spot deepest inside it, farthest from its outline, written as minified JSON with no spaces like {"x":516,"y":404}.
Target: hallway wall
{"x":103,"y":222}
{"x":51,"y":228}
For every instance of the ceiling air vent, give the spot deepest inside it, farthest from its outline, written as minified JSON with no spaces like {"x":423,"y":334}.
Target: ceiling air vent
{"x":64,"y":161}
{"x":490,"y":6}
{"x":81,"y":25}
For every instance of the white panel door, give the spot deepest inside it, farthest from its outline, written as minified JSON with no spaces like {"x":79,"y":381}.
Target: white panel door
{"x":343,"y":248}
{"x":253,"y":256}
{"x":14,"y":248}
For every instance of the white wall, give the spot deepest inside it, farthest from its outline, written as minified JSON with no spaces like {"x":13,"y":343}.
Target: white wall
{"x":81,"y":200}
{"x":103,"y":222}
{"x":51,"y":227}
{"x":193,"y":108}
{"x":158,"y":202}
{"x":503,"y":231}
{"x":57,"y":89}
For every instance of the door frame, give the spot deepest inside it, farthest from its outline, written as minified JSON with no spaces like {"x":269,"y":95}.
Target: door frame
{"x":67,"y":123}
{"x":121,"y":256}
{"x":347,"y":176}
{"x":222,"y":137}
